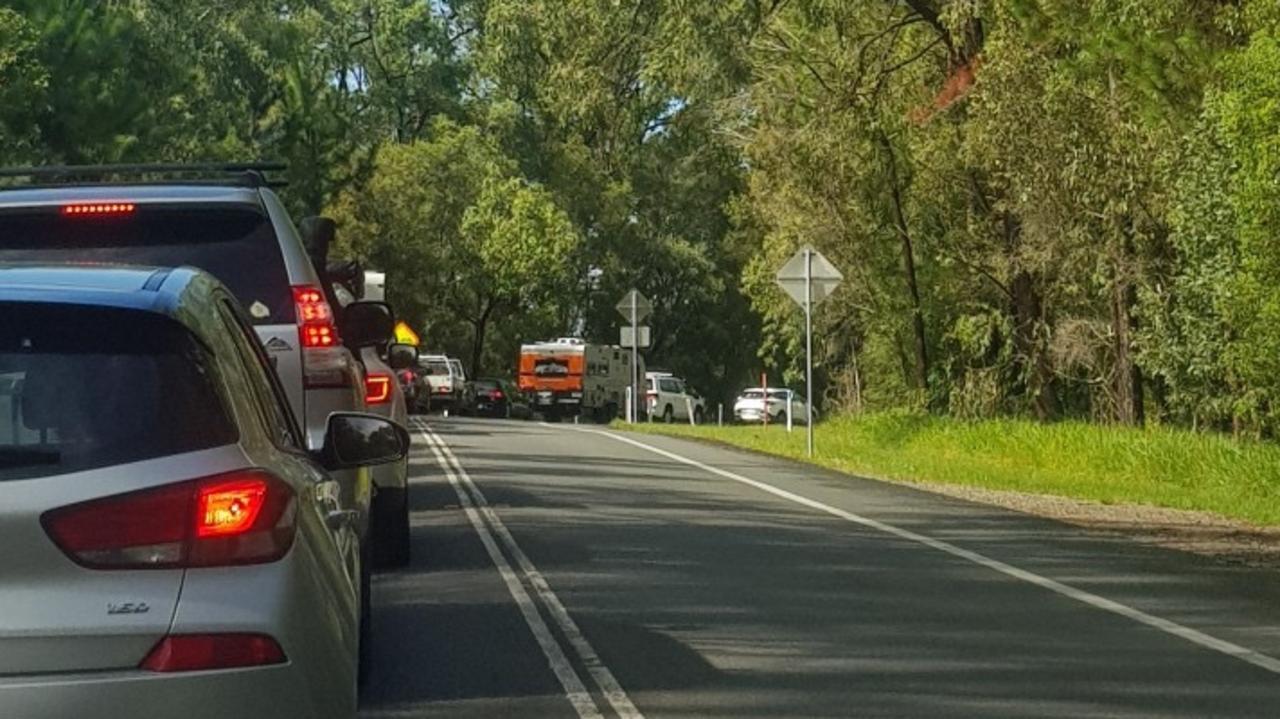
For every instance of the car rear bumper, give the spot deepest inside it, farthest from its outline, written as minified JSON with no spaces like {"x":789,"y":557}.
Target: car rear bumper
{"x":276,"y":691}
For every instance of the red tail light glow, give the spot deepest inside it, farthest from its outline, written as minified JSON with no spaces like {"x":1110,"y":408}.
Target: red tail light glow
{"x":316,"y":327}
{"x":245,"y":517}
{"x":377,"y":388}
{"x":496,"y":395}
{"x":98,"y":209}
{"x":201,"y":652}
{"x":229,"y":509}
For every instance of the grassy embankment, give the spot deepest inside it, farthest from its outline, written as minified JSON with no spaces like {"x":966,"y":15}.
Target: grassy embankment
{"x":1160,"y":467}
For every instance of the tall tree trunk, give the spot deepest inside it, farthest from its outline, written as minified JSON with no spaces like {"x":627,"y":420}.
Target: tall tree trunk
{"x":920,"y":342}
{"x":481,"y":326}
{"x":1036,"y":376}
{"x":1124,"y":297}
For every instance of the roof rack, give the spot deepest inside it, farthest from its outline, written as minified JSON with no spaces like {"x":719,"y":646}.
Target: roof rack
{"x":250,"y":174}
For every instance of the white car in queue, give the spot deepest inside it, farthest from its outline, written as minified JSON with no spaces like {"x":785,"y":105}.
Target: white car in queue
{"x":754,"y":404}
{"x":171,"y":547}
{"x":669,"y":399}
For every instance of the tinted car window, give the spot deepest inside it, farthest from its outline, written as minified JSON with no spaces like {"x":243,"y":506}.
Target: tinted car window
{"x":484,"y":385}
{"x":85,"y":387}
{"x":669,"y":385}
{"x":235,"y":244}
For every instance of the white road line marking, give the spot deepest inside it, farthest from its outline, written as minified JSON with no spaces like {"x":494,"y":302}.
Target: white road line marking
{"x":613,"y":691}
{"x":1194,"y":636}
{"x":574,"y":689}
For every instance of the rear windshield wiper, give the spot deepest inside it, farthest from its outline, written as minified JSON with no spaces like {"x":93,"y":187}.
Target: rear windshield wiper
{"x":27,"y":457}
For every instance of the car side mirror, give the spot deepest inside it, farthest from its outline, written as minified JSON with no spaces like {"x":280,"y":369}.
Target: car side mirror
{"x":401,"y":356}
{"x":355,"y":439}
{"x":367,"y":324}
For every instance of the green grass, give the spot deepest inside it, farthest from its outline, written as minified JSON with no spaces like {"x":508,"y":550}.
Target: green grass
{"x":1160,"y":467}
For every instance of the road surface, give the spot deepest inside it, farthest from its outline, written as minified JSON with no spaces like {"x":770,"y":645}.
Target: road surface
{"x":565,"y":571}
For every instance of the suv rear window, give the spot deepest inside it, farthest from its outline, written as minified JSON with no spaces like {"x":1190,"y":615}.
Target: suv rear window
{"x":236,"y":244}
{"x":88,"y":387}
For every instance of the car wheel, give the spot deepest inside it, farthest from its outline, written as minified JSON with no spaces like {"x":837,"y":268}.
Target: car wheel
{"x":697,"y":415}
{"x":365,"y":656}
{"x":668,"y":415}
{"x":392,"y":543}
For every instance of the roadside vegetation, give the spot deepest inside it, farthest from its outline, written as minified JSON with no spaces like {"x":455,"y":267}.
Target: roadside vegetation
{"x":1155,"y":466}
{"x":1044,"y":209}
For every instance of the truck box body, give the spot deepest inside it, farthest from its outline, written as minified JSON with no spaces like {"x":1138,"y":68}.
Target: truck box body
{"x":568,"y":376}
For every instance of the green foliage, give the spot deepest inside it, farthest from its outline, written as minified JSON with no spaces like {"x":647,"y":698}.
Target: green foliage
{"x":1042,"y":208}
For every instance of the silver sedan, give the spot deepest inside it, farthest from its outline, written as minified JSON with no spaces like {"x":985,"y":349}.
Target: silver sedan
{"x":170,"y":548}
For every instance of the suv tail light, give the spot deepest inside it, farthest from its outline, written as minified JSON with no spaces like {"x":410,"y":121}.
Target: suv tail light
{"x":245,"y":517}
{"x":324,"y":362}
{"x":377,"y":388}
{"x":199,"y":652}
{"x":496,"y":395}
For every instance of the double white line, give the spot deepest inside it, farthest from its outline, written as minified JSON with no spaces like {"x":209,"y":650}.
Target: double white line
{"x":492,"y":533}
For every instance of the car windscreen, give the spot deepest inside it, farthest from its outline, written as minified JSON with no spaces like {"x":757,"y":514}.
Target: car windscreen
{"x":484,"y":385}
{"x":236,"y":244}
{"x":435,"y":367}
{"x":751,"y":394}
{"x":87,"y":387}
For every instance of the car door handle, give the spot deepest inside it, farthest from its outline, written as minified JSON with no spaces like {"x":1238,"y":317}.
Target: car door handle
{"x":341,"y":518}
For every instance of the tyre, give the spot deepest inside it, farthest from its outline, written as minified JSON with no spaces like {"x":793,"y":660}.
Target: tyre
{"x":697,"y":415}
{"x":392,"y":541}
{"x":668,"y":415}
{"x":779,"y":418}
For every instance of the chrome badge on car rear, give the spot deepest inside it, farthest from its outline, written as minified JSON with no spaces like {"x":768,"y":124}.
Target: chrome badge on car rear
{"x":128,"y":608}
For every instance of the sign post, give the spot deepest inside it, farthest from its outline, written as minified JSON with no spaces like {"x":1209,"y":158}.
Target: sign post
{"x":808,"y":278}
{"x":635,"y":307}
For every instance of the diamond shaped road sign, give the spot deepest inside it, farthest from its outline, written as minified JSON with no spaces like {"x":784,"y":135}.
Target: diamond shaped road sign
{"x":642,"y":306}
{"x":824,"y":276}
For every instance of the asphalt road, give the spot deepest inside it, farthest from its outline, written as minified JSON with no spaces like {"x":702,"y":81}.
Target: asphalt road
{"x":565,"y":572}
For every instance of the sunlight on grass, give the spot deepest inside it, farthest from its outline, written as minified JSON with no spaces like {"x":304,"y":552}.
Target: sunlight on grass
{"x":1161,"y":467}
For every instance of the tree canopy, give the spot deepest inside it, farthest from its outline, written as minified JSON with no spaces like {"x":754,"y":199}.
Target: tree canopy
{"x":1042,"y":208}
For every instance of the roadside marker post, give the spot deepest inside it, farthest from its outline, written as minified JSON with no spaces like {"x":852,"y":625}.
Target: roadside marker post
{"x":790,"y":396}
{"x":688,"y":406}
{"x":720,"y":415}
{"x":635,"y":307}
{"x":809,"y":278}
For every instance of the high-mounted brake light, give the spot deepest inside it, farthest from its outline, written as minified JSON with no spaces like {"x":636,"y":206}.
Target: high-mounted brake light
{"x":377,"y":388}
{"x":98,"y":209}
{"x":246,"y":517}
{"x":203,"y":652}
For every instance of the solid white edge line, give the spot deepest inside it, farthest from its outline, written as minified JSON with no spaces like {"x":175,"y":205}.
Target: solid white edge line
{"x":575,"y":691}
{"x":609,"y":686}
{"x":1167,"y":626}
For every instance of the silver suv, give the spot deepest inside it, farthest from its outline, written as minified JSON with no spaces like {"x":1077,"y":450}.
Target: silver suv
{"x":226,"y":220}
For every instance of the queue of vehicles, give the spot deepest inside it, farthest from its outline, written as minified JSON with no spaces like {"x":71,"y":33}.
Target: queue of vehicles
{"x":202,"y":429}
{"x":196,"y":465}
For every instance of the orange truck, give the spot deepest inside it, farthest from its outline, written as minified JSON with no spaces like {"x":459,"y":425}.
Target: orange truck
{"x":568,"y":376}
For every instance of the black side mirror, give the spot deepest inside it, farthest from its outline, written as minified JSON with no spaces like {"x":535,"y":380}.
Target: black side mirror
{"x":355,"y":439}
{"x":401,"y":356}
{"x":367,"y":324}
{"x":317,"y":235}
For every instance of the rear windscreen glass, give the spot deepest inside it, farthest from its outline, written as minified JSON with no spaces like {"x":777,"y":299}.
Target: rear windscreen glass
{"x":87,"y":387}
{"x":235,"y":244}
{"x":486,"y":386}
